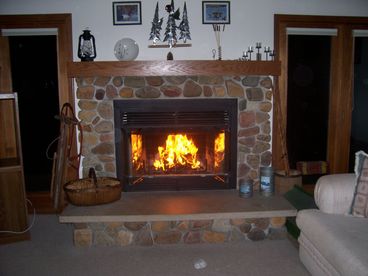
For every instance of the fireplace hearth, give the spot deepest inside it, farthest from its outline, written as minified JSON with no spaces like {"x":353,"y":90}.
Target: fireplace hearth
{"x":173,"y":144}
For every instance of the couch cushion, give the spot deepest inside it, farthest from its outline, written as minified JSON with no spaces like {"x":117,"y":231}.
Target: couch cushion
{"x":360,"y":201}
{"x":342,"y":240}
{"x":334,"y":193}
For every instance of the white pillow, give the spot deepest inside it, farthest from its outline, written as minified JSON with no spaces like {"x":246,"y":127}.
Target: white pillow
{"x":359,"y":206}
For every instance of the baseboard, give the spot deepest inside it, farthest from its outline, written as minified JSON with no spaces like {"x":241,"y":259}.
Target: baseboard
{"x":41,"y":202}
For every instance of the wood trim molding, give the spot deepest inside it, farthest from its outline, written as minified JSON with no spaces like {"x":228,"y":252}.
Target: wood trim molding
{"x":341,"y":90}
{"x":341,"y":95}
{"x":5,"y":70}
{"x":63,"y":22}
{"x":319,"y":21}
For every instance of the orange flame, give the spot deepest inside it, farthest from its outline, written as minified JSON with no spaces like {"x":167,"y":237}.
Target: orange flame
{"x":178,"y":151}
{"x":219,"y":149}
{"x":137,"y":151}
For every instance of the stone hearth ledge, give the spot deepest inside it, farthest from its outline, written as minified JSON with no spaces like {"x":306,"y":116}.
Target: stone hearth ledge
{"x":183,"y":205}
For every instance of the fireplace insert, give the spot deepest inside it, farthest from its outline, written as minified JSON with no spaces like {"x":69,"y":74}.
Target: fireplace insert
{"x":166,"y":144}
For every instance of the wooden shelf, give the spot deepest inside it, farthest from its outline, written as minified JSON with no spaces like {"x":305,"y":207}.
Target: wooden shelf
{"x":12,"y":187}
{"x":168,"y":46}
{"x":9,"y":162}
{"x":173,"y":68}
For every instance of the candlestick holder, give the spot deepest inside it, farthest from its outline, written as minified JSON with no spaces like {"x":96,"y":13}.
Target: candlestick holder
{"x":249,"y":52}
{"x":272,"y":55}
{"x":267,"y":51}
{"x":244,"y":57}
{"x":258,"y":54}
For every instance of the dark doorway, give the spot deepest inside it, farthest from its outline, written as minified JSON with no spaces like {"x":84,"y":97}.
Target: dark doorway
{"x":359,"y":131}
{"x":35,"y":78}
{"x":308,"y":97}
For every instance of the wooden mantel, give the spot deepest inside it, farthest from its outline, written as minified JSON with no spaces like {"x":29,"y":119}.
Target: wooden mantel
{"x":173,"y":68}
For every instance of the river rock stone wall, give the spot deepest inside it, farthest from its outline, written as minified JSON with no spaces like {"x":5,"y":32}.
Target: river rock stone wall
{"x":95,"y":100}
{"x":148,"y":233}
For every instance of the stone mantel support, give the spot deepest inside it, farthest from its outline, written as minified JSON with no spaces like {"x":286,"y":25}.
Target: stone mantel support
{"x":173,"y":68}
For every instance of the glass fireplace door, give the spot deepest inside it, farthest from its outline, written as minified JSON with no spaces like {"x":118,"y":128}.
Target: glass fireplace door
{"x":177,"y":150}
{"x":177,"y":153}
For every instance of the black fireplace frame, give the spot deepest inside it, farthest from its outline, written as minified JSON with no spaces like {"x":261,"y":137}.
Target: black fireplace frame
{"x":125,"y":118}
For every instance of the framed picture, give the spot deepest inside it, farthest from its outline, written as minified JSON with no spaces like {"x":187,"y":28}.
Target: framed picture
{"x":216,"y":12}
{"x":127,"y":13}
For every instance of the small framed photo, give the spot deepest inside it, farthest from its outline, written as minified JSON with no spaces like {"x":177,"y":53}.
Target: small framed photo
{"x":127,"y":13}
{"x":216,"y":12}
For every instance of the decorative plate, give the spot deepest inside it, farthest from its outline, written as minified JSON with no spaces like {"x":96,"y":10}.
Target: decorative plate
{"x":126,"y":49}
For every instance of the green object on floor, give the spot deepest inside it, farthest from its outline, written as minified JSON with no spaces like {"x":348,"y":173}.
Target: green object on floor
{"x":300,"y":200}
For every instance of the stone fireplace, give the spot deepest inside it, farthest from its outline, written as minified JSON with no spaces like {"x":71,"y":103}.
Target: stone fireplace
{"x":206,"y":216}
{"x":253,"y":95}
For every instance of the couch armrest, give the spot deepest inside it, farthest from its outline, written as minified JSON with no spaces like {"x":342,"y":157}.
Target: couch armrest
{"x":334,"y":193}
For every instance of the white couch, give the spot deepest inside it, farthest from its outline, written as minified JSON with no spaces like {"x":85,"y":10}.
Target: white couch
{"x":332,"y":242}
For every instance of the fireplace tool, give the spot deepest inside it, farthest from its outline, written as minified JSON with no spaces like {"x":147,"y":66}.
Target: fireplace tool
{"x":282,"y":135}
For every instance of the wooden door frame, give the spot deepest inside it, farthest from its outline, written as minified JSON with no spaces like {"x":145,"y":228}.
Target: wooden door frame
{"x":63,"y":24}
{"x":341,"y":88}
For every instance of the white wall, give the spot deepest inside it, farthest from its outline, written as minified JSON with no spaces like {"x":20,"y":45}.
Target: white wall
{"x":251,"y":22}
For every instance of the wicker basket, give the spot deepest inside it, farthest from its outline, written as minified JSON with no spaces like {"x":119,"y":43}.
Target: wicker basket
{"x":93,"y":190}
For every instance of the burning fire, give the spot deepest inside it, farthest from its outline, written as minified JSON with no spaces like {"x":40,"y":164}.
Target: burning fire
{"x":219,"y":149}
{"x":137,"y":151}
{"x":178,"y":151}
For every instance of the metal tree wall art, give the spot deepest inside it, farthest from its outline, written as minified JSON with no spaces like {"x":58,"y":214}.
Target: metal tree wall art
{"x":184,"y":25}
{"x":156,"y":27}
{"x":170,"y":33}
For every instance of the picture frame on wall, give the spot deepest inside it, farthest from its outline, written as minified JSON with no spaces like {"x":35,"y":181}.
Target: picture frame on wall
{"x":127,"y":13}
{"x":216,"y":12}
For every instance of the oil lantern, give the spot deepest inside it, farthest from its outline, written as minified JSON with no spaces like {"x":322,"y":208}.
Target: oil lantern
{"x":86,"y":46}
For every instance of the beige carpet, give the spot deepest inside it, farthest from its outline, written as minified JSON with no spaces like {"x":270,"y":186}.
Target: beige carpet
{"x":51,"y":252}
